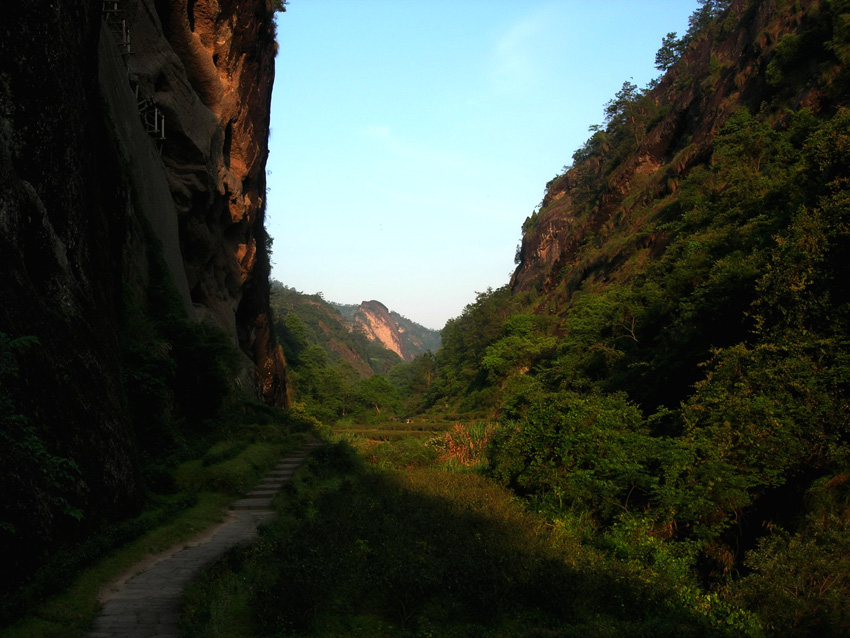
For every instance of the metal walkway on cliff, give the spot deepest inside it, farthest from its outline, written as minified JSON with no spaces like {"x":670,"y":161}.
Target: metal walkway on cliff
{"x":152,"y":117}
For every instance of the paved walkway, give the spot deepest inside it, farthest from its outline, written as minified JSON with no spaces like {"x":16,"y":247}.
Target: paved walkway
{"x":147,"y":604}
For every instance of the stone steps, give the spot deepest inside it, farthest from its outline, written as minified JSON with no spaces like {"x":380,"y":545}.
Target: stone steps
{"x":147,"y":604}
{"x":260,"y":498}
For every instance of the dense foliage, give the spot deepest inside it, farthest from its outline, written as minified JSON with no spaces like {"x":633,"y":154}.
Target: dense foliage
{"x":362,"y":551}
{"x":697,"y":391}
{"x":338,"y":373}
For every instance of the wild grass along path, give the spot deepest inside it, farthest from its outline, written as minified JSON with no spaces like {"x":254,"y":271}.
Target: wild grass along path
{"x":146,"y":604}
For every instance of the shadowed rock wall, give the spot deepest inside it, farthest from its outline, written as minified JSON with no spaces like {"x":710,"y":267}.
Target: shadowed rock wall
{"x":81,"y":187}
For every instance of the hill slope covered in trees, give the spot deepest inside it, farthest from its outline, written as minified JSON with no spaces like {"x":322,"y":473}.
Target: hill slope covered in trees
{"x":670,"y":360}
{"x":339,"y":365}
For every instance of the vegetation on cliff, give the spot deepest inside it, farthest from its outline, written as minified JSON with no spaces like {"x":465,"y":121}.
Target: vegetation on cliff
{"x":669,"y":365}
{"x":338,"y":373}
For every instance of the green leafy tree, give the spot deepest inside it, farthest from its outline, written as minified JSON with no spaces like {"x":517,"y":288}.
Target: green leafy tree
{"x":25,"y":448}
{"x":378,"y":394}
{"x":586,"y":451}
{"x":524,"y":342}
{"x":670,"y":52}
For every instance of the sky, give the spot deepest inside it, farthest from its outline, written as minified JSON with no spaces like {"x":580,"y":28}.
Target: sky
{"x":410,"y":139}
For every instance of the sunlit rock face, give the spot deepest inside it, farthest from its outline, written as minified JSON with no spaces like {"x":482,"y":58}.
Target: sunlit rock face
{"x":209,"y":67}
{"x":377,"y":324}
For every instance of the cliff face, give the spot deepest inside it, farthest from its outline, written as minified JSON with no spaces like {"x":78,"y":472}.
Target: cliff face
{"x":88,"y":200}
{"x":209,"y":67}
{"x":393,"y":331}
{"x":374,"y":319}
{"x":721,"y":71}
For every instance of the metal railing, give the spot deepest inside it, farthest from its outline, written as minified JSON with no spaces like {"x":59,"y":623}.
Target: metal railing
{"x":152,"y":117}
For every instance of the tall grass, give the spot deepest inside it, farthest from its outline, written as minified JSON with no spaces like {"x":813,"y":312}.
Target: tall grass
{"x":60,"y":601}
{"x":377,"y":551}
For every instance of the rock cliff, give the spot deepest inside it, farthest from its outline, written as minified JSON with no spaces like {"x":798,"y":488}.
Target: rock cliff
{"x":392,"y":330}
{"x":374,"y":319}
{"x":209,"y":68}
{"x":94,"y":193}
{"x":721,"y":71}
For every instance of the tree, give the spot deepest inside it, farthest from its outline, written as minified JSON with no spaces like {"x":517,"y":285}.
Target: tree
{"x":625,"y":111}
{"x":670,"y":51}
{"x":705,"y":14}
{"x":378,"y":393}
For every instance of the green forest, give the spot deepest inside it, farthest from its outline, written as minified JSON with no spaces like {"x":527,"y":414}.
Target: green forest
{"x":647,"y":434}
{"x":338,"y":374}
{"x":650,"y":437}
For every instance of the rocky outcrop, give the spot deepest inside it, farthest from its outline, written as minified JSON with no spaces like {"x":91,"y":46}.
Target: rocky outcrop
{"x":374,"y":319}
{"x":209,"y":66}
{"x":402,"y":335}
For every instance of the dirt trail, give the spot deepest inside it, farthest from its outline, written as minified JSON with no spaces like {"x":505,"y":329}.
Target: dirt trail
{"x":145,"y":602}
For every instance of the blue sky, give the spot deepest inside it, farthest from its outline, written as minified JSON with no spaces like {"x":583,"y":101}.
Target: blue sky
{"x":411,"y":138}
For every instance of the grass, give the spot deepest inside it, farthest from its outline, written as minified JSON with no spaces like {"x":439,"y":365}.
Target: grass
{"x":229,"y":476}
{"x":227,"y":469}
{"x":365,"y":550}
{"x":71,"y":613}
{"x":392,"y":430}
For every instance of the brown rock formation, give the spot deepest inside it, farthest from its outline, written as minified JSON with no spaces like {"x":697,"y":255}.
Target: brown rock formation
{"x":377,"y":324}
{"x":209,"y":66}
{"x":82,"y":185}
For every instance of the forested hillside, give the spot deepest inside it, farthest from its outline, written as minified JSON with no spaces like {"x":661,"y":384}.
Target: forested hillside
{"x":670,"y":362}
{"x":413,"y":338}
{"x":338,"y":372}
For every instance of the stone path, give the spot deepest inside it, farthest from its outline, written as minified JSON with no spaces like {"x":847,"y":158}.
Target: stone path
{"x":147,"y":604}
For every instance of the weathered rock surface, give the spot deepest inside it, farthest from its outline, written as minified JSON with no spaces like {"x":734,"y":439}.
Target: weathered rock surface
{"x":81,"y":187}
{"x":374,"y":319}
{"x":209,"y":67}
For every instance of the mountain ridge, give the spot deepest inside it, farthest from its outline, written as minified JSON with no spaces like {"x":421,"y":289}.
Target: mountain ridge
{"x":396,"y":332}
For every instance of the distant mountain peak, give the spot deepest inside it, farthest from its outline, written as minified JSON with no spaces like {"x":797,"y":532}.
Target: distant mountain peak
{"x":394,"y":331}
{"x":374,"y":319}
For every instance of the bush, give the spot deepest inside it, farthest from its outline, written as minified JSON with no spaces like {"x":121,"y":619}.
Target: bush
{"x":588,"y":451}
{"x":800,"y":583}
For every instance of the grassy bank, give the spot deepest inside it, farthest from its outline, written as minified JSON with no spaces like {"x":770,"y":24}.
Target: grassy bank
{"x":364,"y":548}
{"x":61,"y":600}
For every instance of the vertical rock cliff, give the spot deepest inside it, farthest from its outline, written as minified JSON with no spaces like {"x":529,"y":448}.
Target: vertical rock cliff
{"x":209,"y":67}
{"x":95,"y":193}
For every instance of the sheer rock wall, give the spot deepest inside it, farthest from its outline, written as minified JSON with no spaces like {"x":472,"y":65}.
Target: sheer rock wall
{"x":81,"y":182}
